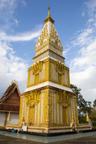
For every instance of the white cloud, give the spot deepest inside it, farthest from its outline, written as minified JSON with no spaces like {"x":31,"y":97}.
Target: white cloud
{"x":7,"y":4}
{"x":65,"y":51}
{"x":85,"y":79}
{"x":15,"y":66}
{"x":12,"y":67}
{"x":83,"y":65}
{"x":27,"y":36}
{"x":84,"y":37}
{"x":91,"y":5}
{"x":86,"y":56}
{"x":8,"y":18}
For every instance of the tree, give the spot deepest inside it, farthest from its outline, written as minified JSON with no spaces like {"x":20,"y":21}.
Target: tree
{"x":94,"y":103}
{"x":93,"y":115}
{"x":80,"y":100}
{"x":83,"y":105}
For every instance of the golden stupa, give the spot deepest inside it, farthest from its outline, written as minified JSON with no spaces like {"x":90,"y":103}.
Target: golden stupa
{"x":48,"y":104}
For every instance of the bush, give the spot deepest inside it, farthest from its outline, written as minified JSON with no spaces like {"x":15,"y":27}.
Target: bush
{"x":82,"y":119}
{"x":94,"y":124}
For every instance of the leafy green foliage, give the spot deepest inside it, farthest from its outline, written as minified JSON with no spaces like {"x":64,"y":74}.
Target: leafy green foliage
{"x":94,"y":103}
{"x":83,"y":105}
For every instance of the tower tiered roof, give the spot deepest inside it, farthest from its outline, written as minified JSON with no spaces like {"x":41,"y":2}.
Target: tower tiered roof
{"x":49,"y":38}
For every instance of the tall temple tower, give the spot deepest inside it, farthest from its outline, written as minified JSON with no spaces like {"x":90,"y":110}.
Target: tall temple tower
{"x":48,"y":105}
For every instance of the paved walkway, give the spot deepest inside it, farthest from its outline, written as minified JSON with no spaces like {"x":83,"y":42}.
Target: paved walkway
{"x":10,"y":140}
{"x":42,"y":139}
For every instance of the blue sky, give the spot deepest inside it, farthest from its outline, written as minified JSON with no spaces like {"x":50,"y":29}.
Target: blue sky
{"x":20,"y":24}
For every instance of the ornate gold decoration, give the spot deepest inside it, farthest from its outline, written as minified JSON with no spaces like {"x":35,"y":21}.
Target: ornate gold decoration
{"x":60,"y":68}
{"x":36,"y":68}
{"x":33,"y":98}
{"x":63,"y":98}
{"x":49,"y":36}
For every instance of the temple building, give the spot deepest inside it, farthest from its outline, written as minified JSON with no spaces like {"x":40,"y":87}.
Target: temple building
{"x":48,"y":104}
{"x":9,"y":106}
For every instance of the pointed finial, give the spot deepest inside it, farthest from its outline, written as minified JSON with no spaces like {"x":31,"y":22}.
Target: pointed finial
{"x":49,"y":18}
{"x":49,"y":13}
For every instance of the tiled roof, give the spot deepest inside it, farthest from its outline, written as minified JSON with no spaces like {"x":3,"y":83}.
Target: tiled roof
{"x":9,"y":91}
{"x":7,"y":95}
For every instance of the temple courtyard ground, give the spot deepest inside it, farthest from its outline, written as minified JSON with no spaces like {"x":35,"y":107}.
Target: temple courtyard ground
{"x":84,"y":140}
{"x":18,"y":138}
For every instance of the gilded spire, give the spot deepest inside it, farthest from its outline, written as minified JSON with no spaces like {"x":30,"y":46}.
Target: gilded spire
{"x":49,"y":36}
{"x":49,"y":18}
{"x":49,"y":13}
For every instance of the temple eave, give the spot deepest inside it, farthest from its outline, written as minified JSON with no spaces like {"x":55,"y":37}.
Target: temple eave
{"x":49,"y":84}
